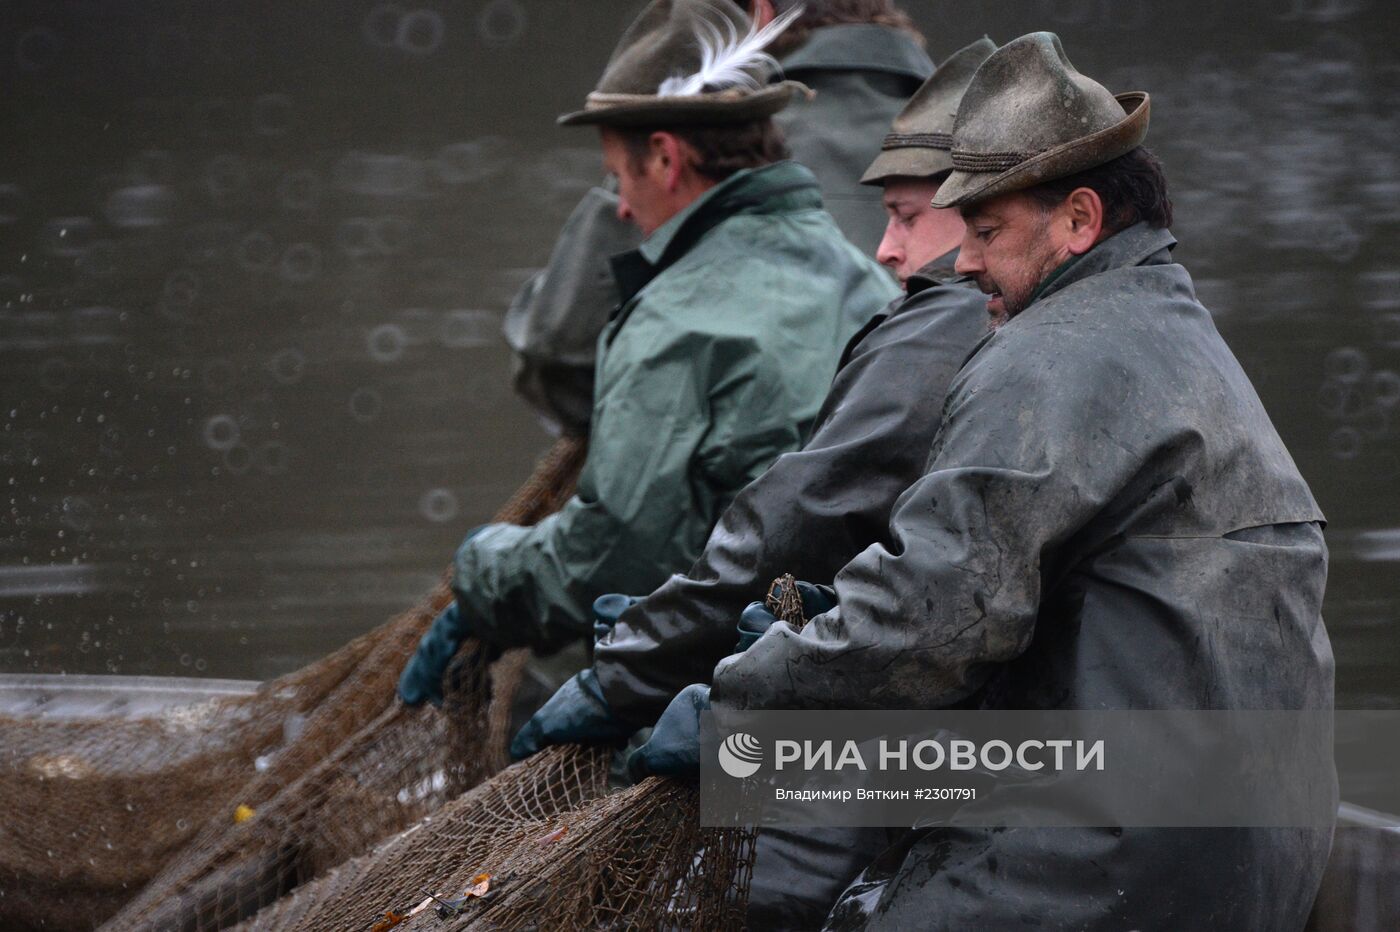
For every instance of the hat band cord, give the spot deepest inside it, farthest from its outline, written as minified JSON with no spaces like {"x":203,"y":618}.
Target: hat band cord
{"x":942,"y":141}
{"x":981,"y":163}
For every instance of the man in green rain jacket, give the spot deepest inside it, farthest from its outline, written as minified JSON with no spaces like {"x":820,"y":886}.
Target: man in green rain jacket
{"x":862,"y":60}
{"x":734,"y":311}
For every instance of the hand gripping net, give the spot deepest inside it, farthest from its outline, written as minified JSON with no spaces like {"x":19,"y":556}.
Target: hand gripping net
{"x":211,"y":811}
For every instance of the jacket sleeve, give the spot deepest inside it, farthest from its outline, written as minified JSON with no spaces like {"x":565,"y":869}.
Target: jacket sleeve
{"x":682,"y":420}
{"x":809,"y":514}
{"x":923,"y":618}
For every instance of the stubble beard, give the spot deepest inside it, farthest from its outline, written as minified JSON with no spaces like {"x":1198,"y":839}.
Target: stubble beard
{"x":1019,"y":296}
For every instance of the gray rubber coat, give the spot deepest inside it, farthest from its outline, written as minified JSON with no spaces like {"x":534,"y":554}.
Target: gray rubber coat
{"x":1108,"y":520}
{"x":872,"y":439}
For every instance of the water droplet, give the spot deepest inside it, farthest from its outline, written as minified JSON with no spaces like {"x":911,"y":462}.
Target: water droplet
{"x":438,"y":505}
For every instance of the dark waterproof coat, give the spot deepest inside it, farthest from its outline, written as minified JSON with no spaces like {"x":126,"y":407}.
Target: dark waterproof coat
{"x":862,"y":75}
{"x":734,"y":315}
{"x":1108,"y":520}
{"x":871,"y":442}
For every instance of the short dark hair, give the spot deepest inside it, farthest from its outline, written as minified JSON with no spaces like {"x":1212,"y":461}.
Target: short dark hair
{"x":1133,"y":189}
{"x":818,"y":13}
{"x":720,"y":149}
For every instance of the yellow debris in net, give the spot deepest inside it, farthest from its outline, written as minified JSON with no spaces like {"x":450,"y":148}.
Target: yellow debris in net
{"x":390,"y":920}
{"x":481,"y":884}
{"x":243,"y":814}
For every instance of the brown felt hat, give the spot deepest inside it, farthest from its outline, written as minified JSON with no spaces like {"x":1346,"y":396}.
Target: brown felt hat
{"x":665,"y":43}
{"x":1029,"y":117}
{"x":920,"y":138}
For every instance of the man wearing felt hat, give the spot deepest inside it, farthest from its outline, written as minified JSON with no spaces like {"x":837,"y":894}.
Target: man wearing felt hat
{"x":734,"y":311}
{"x":913,"y":163}
{"x":861,"y":58}
{"x":1108,"y":520}
{"x":814,"y":509}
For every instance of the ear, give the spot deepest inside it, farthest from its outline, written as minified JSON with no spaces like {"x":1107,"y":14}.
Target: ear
{"x":1083,"y":216}
{"x":669,"y":157}
{"x":761,"y":12}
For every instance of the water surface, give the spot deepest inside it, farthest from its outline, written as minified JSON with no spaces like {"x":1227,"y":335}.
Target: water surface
{"x":254,"y":258}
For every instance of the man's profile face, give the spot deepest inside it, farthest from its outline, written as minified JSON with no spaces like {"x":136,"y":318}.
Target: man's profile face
{"x":916,"y":232}
{"x":640,"y":184}
{"x":1010,"y":246}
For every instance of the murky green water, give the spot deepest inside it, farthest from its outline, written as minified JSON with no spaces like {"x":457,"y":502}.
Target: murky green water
{"x":254,"y":257}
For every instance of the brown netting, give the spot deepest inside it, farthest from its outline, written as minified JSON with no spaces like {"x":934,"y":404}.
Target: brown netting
{"x":785,"y":601}
{"x":212,"y":811}
{"x":545,"y":847}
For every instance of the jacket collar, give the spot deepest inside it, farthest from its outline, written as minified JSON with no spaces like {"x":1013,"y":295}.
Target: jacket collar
{"x":938,"y":272}
{"x":860,"y":47}
{"x":776,"y":188}
{"x":1139,"y":244}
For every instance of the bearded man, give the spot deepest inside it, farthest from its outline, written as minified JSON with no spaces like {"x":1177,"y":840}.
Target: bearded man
{"x":1108,"y":520}
{"x":735,"y":308}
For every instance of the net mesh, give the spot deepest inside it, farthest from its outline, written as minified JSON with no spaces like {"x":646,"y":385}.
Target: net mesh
{"x":540,"y":846}
{"x":214,"y":810}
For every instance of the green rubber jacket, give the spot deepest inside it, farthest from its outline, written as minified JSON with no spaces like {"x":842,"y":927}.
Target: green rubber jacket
{"x":862,"y":75}
{"x":733,"y":317}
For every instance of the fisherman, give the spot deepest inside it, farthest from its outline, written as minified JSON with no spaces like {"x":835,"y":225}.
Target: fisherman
{"x":735,"y":309}
{"x":1108,"y":521}
{"x":871,"y":443}
{"x":863,"y":58}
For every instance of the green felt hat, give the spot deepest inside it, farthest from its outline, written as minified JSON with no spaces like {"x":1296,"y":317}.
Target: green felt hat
{"x":1029,"y":117}
{"x":665,"y":71}
{"x":920,"y":138}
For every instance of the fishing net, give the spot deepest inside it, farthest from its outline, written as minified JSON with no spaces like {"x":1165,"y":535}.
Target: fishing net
{"x":540,"y":846}
{"x":216,"y":809}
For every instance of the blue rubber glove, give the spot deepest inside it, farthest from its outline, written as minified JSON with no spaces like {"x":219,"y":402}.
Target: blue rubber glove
{"x":577,"y":714}
{"x":421,"y":679}
{"x":607,"y":609}
{"x":756,"y":619}
{"x":674,"y":747}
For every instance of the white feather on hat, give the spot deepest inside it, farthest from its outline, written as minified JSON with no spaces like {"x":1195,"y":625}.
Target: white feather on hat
{"x":728,"y":61}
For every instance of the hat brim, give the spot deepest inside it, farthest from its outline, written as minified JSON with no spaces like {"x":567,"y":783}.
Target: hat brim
{"x":699,"y":109}
{"x":908,"y":162}
{"x":962,"y":188}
